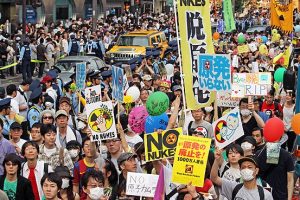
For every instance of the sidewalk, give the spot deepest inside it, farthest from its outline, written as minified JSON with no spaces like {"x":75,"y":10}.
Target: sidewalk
{"x":11,"y":80}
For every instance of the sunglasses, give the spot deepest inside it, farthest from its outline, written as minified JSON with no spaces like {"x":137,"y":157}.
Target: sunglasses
{"x":48,"y":117}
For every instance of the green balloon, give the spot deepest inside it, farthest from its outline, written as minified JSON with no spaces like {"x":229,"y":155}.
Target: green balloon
{"x":241,"y":39}
{"x":279,"y":74}
{"x":157,"y":103}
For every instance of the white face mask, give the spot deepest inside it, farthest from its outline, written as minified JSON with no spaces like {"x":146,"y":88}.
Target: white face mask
{"x":246,"y":146}
{"x":96,"y":193}
{"x":245,"y":112}
{"x":73,"y":153}
{"x":65,"y":183}
{"x":81,"y":125}
{"x":209,"y":109}
{"x":247,"y":174}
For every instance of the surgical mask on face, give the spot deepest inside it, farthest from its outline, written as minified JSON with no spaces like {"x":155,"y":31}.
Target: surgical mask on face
{"x":245,"y":112}
{"x":96,"y":193}
{"x":73,"y":153}
{"x":246,"y":146}
{"x":65,"y":183}
{"x":81,"y":125}
{"x":247,"y":174}
{"x":209,"y":109}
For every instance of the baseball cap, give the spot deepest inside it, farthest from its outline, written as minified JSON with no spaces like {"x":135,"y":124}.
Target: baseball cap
{"x":65,"y":99}
{"x":125,"y":156}
{"x":198,"y":131}
{"x":249,"y":139}
{"x":176,"y":87}
{"x":248,"y":158}
{"x":46,"y":79}
{"x":60,"y":112}
{"x":147,"y":77}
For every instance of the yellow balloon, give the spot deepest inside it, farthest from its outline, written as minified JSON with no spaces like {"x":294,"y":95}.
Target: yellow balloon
{"x":274,"y":31}
{"x":263,"y":49}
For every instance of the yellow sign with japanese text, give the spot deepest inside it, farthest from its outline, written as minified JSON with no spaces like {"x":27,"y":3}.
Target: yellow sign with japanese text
{"x":196,"y":38}
{"x":161,"y":145}
{"x":243,"y":49}
{"x":190,"y":160}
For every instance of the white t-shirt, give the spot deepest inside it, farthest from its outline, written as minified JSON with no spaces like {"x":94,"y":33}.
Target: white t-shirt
{"x":20,"y":143}
{"x":132,"y":140}
{"x":243,"y":193}
{"x":49,"y":152}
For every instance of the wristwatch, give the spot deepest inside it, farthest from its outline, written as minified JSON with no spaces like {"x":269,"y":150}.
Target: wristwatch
{"x":197,"y":197}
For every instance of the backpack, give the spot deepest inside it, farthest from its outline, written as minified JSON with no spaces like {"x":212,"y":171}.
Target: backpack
{"x":46,"y":166}
{"x":226,"y":167}
{"x":74,"y":47}
{"x":237,"y":188}
{"x":289,"y":80}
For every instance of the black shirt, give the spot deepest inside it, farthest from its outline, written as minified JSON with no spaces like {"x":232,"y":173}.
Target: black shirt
{"x":276,"y":175}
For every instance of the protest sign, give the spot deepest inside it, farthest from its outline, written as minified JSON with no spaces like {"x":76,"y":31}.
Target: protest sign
{"x":228,"y":16}
{"x":195,"y":30}
{"x":243,"y":49}
{"x":228,"y":128}
{"x":190,"y":160}
{"x":101,"y":120}
{"x":93,"y":94}
{"x":250,"y":84}
{"x":225,"y":100}
{"x":161,"y":145}
{"x":117,"y":84}
{"x":214,"y":72}
{"x":80,"y":75}
{"x":273,"y":151}
{"x":139,"y":184}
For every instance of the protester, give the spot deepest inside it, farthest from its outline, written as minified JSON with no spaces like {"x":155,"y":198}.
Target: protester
{"x":51,"y":184}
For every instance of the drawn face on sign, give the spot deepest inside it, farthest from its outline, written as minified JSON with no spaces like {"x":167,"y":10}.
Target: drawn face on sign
{"x":100,"y":120}
{"x":232,"y":121}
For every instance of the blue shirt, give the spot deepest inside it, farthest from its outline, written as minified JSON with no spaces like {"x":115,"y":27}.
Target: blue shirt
{"x":22,"y":51}
{"x":6,"y":124}
{"x":70,"y":46}
{"x":33,"y":115}
{"x":5,"y":148}
{"x":264,"y":116}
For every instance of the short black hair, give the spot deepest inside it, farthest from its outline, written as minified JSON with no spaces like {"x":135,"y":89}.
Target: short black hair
{"x":1,"y":123}
{"x":258,"y":129}
{"x":29,"y":143}
{"x":110,"y":167}
{"x":97,"y":175}
{"x":12,"y":157}
{"x":41,"y":40}
{"x":235,"y":147}
{"x":36,"y":125}
{"x":10,"y":89}
{"x":46,"y":128}
{"x":243,"y":100}
{"x":52,"y":177}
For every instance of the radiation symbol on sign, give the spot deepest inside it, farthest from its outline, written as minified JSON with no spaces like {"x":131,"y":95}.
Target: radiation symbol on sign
{"x":171,"y":138}
{"x":100,"y":120}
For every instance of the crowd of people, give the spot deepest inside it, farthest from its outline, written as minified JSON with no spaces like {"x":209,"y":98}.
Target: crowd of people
{"x":45,"y":141}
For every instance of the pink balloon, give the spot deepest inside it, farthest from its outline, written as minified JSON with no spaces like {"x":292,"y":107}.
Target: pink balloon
{"x":274,"y":129}
{"x":137,"y":118}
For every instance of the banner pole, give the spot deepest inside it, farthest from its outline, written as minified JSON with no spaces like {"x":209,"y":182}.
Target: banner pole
{"x":79,"y":97}
{"x":179,"y":55}
{"x":118,"y":104}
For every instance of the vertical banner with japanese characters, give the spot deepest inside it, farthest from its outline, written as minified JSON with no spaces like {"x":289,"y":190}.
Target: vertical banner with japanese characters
{"x":80,"y":75}
{"x":117,"y":86}
{"x":214,"y":72}
{"x":190,"y":160}
{"x":196,"y":37}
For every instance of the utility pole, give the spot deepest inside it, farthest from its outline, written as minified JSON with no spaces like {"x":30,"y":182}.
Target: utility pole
{"x":94,"y":15}
{"x":24,"y":19}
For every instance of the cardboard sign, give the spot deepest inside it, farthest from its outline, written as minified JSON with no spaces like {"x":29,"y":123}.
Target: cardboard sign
{"x":161,"y":145}
{"x":273,"y":151}
{"x":228,"y":128}
{"x":243,"y":49}
{"x":225,"y":100}
{"x":101,"y":120}
{"x":139,"y":184}
{"x":93,"y":94}
{"x":250,"y":84}
{"x":190,"y":160}
{"x":80,"y":75}
{"x":214,"y":72}
{"x":117,"y":84}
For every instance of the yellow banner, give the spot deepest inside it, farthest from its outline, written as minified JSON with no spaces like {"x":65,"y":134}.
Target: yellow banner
{"x":161,"y":145}
{"x":243,"y":49}
{"x":190,"y":160}
{"x":282,"y":15}
{"x":196,"y":38}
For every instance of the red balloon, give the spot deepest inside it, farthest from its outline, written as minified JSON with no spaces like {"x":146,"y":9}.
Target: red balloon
{"x":274,"y":129}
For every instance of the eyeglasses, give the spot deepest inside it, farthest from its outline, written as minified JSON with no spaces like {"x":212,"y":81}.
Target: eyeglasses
{"x":47,"y":117}
{"x":113,"y":141}
{"x":100,"y":184}
{"x":11,"y":164}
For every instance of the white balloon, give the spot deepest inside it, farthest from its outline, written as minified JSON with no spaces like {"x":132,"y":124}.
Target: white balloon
{"x":169,"y":69}
{"x":134,"y":92}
